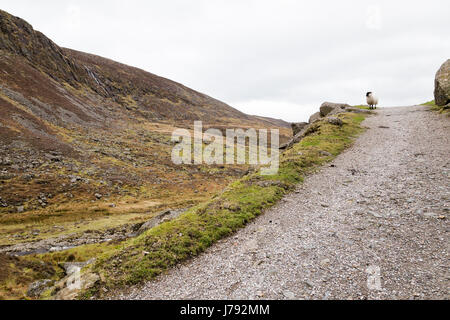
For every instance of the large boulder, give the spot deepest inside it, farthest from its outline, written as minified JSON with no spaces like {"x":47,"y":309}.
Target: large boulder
{"x":335,"y":121}
{"x":442,"y":85}
{"x":316,"y":116}
{"x":328,"y":108}
{"x":298,"y":126}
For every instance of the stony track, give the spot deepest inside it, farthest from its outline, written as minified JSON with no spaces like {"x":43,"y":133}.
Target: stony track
{"x":373,"y":224}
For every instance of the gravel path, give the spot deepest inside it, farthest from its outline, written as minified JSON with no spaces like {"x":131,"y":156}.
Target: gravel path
{"x":373,"y":225}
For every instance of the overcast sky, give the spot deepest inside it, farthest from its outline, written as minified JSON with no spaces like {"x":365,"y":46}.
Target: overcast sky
{"x":273,"y":58}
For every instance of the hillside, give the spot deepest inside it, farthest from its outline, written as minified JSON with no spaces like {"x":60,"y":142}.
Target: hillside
{"x":85,"y":143}
{"x":59,"y":105}
{"x":86,"y":89}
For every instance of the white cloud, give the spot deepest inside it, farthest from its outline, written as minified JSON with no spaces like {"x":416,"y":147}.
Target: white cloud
{"x":284,"y":109}
{"x":73,"y":18}
{"x":374,"y":18}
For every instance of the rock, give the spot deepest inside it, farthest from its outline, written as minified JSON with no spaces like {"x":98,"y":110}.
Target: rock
{"x":98,"y":196}
{"x":268,"y":183}
{"x":231,"y":206}
{"x":161,"y":217}
{"x":375,"y":214}
{"x":430,"y":214}
{"x":316,"y":116}
{"x":74,"y":179}
{"x":332,"y":108}
{"x":71,"y":286}
{"x":56,"y":249}
{"x":288,"y":295}
{"x":324,"y":262}
{"x":7,"y":161}
{"x":20,"y":209}
{"x":298,"y":126}
{"x":325,"y":153}
{"x":54,"y":158}
{"x":336,"y":121}
{"x":37,"y":288}
{"x":307,"y":130}
{"x":73,"y":267}
{"x":442,"y":85}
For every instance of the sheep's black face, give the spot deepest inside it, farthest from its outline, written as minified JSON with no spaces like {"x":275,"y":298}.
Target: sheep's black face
{"x":368,"y":94}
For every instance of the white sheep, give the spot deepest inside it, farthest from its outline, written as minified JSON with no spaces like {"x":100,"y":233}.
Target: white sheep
{"x":372,"y":100}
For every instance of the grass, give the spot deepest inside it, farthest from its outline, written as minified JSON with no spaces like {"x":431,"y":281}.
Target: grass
{"x":429,"y":103}
{"x":143,"y":258}
{"x":364,"y":107}
{"x":17,"y":273}
{"x":435,"y":107}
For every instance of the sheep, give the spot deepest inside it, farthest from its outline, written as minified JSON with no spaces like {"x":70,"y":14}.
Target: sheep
{"x":372,"y":100}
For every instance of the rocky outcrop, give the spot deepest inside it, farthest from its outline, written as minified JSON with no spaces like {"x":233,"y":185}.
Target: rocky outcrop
{"x":335,"y":121}
{"x":442,"y":85}
{"x":71,"y":287}
{"x":316,"y":116}
{"x":327,"y":110}
{"x":309,"y":129}
{"x":75,"y":281}
{"x":38,"y":287}
{"x":161,"y":217}
{"x":298,"y":126}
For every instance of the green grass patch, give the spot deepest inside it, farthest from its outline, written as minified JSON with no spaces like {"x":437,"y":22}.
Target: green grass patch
{"x":429,"y":103}
{"x":144,"y":257}
{"x":363,"y":107}
{"x":434,"y":107}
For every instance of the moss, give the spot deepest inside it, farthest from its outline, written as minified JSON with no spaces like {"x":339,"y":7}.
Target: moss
{"x":162,"y":247}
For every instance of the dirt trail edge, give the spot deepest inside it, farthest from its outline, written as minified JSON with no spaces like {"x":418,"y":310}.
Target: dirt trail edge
{"x":373,"y":224}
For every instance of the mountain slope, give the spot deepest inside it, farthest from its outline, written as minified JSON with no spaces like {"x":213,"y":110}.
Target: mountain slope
{"x":98,"y":80}
{"x":84,"y":139}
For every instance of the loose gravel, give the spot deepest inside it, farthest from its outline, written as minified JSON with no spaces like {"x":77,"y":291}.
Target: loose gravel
{"x":373,"y":224}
